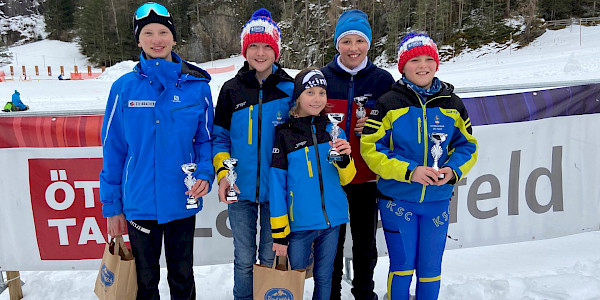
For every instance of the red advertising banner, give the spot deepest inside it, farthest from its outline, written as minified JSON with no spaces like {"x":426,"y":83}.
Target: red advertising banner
{"x":50,"y":131}
{"x":67,"y":212}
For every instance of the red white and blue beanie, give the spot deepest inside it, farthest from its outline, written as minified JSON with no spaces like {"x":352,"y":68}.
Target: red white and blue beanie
{"x":261,"y":29}
{"x":416,"y":44}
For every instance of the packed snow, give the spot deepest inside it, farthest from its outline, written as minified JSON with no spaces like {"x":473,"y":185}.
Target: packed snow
{"x":562,"y":268}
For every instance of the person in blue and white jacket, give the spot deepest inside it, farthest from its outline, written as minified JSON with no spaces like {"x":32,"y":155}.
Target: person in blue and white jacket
{"x":157,"y":118}
{"x":307,"y":201}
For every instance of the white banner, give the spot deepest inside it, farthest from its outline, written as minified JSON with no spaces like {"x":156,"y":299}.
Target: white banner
{"x":533,"y":180}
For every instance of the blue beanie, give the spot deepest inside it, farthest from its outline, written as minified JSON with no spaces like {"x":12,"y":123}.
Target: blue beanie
{"x":353,"y":22}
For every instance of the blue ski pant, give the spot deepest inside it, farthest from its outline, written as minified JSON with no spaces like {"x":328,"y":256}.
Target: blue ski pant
{"x":415,"y":234}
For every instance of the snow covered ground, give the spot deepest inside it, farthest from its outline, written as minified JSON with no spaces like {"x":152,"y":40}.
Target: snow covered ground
{"x":563,"y":268}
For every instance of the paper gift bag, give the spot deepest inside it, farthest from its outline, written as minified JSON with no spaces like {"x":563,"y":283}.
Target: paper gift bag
{"x":117,"y":279}
{"x":278,"y":282}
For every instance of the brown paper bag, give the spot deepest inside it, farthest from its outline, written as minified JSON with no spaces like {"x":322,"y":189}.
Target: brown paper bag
{"x":117,"y":279}
{"x":278,"y":282}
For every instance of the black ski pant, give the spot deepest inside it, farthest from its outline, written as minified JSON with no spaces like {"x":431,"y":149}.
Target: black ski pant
{"x":362,"y":202}
{"x":179,"y":247}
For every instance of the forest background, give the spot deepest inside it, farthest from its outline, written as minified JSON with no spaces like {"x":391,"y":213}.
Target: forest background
{"x":209,"y":29}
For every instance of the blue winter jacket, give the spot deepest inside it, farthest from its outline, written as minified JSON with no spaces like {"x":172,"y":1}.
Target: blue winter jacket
{"x":157,"y":118}
{"x":16,"y":100}
{"x":245,"y":119}
{"x":305,"y":189}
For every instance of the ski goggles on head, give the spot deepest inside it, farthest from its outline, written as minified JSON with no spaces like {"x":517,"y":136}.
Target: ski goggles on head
{"x":144,"y":10}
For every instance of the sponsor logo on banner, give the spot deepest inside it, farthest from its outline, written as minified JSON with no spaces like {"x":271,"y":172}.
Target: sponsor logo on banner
{"x":67,"y":212}
{"x":279,"y":294}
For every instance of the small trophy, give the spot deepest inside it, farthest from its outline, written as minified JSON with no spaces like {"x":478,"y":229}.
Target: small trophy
{"x":436,"y":151}
{"x":189,"y":181}
{"x":334,"y":118}
{"x":360,"y":111}
{"x":231,"y":176}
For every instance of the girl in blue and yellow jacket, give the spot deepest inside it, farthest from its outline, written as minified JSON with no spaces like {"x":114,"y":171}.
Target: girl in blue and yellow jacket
{"x":398,"y":145}
{"x":307,"y":201}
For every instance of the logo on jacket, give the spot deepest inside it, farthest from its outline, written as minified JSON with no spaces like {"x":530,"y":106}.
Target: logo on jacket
{"x":176,"y":98}
{"x":374,"y":112}
{"x":301,"y":144}
{"x":437,"y":126}
{"x":275,"y":150}
{"x":106,"y":276}
{"x":279,"y":294}
{"x":141,"y":103}
{"x":240,"y":105}
{"x":278,"y":118}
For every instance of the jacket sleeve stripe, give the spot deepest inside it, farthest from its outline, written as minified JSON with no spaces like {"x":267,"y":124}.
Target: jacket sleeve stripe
{"x":347,"y":173}
{"x":376,"y":150}
{"x":280,"y":227}
{"x":218,"y":164}
{"x":112,"y":113}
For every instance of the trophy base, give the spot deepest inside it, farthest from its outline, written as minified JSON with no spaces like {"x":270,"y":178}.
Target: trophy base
{"x":441,"y":176}
{"x":191,"y":206}
{"x":231,"y":198}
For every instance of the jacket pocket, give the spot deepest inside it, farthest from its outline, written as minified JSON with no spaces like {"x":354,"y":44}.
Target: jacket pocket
{"x":308,"y":162}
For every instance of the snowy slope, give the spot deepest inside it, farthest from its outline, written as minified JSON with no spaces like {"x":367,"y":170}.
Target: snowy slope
{"x":564,"y":268}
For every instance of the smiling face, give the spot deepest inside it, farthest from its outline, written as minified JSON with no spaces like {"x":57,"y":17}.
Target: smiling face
{"x":157,"y":41}
{"x":420,"y":70}
{"x":260,"y":57}
{"x":353,"y":49}
{"x":312,"y":101}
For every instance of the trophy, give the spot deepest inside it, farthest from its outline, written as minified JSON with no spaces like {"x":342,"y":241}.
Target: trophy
{"x":360,"y":111}
{"x":334,"y":118}
{"x":436,"y":151}
{"x":231,"y":176}
{"x":189,"y":181}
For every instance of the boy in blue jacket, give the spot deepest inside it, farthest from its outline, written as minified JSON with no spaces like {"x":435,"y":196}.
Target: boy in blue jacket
{"x":418,"y":141}
{"x":249,"y":107}
{"x":158,"y":118}
{"x":308,"y":204}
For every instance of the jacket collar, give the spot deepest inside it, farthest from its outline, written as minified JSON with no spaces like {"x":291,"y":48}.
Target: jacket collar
{"x":248,"y":76}
{"x":165,"y":71}
{"x":333,"y":65}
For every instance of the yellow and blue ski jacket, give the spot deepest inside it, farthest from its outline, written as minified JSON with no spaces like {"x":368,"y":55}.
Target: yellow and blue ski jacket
{"x":245,"y":118}
{"x":396,"y":140}
{"x":306,"y":190}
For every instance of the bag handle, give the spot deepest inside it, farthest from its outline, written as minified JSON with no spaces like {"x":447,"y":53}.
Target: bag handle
{"x":119,"y":240}
{"x":287,"y":262}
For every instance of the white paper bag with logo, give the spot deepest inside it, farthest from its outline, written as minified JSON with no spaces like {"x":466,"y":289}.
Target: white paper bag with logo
{"x":278,"y":282}
{"x":117,"y":279}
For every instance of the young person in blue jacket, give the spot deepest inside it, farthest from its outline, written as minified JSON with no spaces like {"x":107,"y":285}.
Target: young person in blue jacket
{"x":249,"y":107}
{"x":157,"y":118}
{"x":351,"y":75}
{"x":398,"y":145}
{"x":308,"y":204}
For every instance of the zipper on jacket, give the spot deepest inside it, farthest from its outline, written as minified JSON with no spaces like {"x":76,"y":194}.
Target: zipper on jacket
{"x":258,"y":137}
{"x":316,"y":145}
{"x":292,"y":207}
{"x":308,"y":163}
{"x":250,"y":109}
{"x":349,"y":109}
